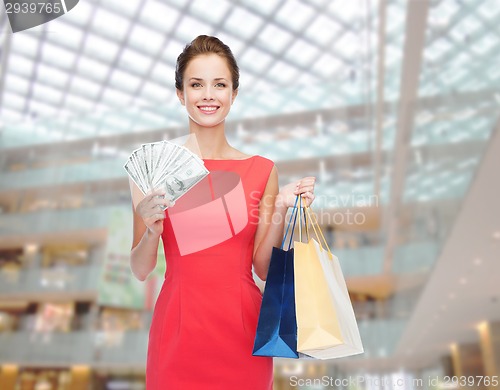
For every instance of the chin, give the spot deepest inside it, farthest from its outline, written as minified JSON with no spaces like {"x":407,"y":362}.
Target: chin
{"x":202,"y":122}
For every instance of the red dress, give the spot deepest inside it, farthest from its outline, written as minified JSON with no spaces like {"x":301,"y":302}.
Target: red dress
{"x":205,"y":317}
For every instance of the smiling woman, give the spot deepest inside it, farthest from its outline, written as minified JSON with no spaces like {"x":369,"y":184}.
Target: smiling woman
{"x":204,"y":322}
{"x":207,"y":91}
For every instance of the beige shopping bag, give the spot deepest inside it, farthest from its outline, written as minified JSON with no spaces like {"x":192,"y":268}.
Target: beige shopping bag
{"x":317,"y":323}
{"x":330,"y":268}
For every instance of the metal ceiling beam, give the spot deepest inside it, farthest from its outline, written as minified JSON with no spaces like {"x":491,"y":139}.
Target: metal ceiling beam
{"x":78,"y":53}
{"x":158,"y":56}
{"x":4,"y":52}
{"x":380,"y":97}
{"x":122,"y":45}
{"x":416,"y":24}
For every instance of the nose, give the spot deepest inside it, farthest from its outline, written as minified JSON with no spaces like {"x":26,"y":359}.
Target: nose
{"x":207,"y":93}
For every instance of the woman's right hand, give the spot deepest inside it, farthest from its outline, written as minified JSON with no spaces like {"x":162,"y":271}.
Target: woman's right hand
{"x":151,"y":213}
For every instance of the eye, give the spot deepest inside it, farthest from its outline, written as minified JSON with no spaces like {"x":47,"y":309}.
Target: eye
{"x":222,"y":85}
{"x":195,"y":85}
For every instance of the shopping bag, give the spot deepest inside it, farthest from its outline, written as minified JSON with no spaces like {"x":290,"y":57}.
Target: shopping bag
{"x":350,"y":340}
{"x":317,"y":323}
{"x":277,"y":328}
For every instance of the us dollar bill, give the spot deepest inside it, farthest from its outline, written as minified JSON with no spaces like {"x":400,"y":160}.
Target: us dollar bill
{"x":178,"y":182}
{"x":133,"y":175}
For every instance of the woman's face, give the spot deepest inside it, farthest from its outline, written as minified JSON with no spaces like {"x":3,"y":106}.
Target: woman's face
{"x":208,"y":90}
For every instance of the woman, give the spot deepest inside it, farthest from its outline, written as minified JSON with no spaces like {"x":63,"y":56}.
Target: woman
{"x":206,"y":314}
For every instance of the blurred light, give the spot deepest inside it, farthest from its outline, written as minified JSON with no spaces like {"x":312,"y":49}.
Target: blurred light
{"x":418,"y":157}
{"x":482,"y":326}
{"x":116,"y":384}
{"x":463,"y":280}
{"x":496,"y":235}
{"x":31,"y":248}
{"x":322,"y":171}
{"x":293,"y":369}
{"x":478,"y":261}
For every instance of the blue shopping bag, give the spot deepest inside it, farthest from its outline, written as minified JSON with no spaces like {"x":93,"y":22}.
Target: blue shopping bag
{"x":277,"y":326}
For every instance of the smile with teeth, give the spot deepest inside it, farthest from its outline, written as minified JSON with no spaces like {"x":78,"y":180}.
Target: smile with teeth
{"x":208,"y":109}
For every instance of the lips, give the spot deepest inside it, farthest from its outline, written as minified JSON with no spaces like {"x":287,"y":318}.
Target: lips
{"x":208,"y":110}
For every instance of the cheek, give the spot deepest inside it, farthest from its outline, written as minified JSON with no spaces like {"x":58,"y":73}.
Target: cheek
{"x":192,"y":96}
{"x":225,"y":98}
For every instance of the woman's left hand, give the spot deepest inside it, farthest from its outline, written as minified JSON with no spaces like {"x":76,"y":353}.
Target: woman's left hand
{"x":304,"y":187}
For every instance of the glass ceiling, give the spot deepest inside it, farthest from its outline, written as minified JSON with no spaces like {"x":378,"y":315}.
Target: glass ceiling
{"x":107,"y":68}
{"x":104,"y":58}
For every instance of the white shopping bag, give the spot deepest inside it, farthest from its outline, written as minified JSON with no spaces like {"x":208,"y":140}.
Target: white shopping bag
{"x":351,"y":341}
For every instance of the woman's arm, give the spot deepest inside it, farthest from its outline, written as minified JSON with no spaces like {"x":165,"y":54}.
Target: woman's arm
{"x":272,"y":212}
{"x":143,"y":255}
{"x":148,"y":227}
{"x":269,"y":232}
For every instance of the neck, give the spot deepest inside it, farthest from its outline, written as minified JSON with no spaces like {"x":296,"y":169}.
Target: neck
{"x":211,"y":140}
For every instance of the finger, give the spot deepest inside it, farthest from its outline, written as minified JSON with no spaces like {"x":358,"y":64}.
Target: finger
{"x":156,"y":194}
{"x":158,"y":191}
{"x":154,"y":217}
{"x":305,"y":182}
{"x":166,"y":203}
{"x":156,"y":209}
{"x":308,"y":179}
{"x":160,"y":200}
{"x":163,"y":202}
{"x":150,"y":203}
{"x":308,"y":196}
{"x":303,"y":189}
{"x":159,"y":208}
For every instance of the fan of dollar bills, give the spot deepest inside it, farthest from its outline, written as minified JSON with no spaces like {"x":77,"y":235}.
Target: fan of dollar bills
{"x":165,"y":165}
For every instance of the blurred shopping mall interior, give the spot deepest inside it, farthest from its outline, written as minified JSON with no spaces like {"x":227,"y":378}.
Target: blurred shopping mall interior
{"x":393,"y":105}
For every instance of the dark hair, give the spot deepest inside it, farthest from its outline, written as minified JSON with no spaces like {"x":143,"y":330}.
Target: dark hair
{"x":204,"y":44}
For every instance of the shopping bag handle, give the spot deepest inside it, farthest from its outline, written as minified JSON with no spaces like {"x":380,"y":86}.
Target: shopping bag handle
{"x":305,"y":220}
{"x":302,"y":209}
{"x":313,"y":222}
{"x":288,"y":226}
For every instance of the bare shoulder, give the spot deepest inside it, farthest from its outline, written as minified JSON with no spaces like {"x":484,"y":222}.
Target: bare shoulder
{"x":272,"y":182}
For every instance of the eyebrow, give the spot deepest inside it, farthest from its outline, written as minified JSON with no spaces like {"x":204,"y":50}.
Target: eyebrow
{"x":198,"y":79}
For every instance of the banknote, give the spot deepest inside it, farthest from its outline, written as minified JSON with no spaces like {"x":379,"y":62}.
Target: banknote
{"x":133,"y":174}
{"x":165,"y":165}
{"x":178,"y":159}
{"x":178,"y":182}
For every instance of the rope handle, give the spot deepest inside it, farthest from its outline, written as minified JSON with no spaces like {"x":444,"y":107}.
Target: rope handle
{"x":288,"y":226}
{"x":300,"y":222}
{"x":305,"y":220}
{"x":315,"y":221}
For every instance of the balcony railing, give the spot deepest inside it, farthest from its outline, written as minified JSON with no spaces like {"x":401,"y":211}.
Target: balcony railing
{"x":57,"y":279}
{"x":66,"y":174}
{"x":51,"y":221}
{"x":86,"y":347}
{"x":379,"y":338}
